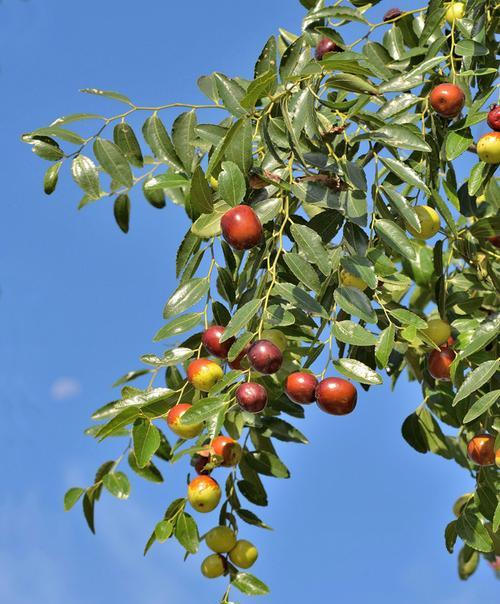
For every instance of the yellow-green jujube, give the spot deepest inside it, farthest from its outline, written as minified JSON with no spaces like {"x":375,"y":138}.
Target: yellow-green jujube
{"x":488,"y":148}
{"x":213,"y":566}
{"x":350,"y":280}
{"x":221,"y":539}
{"x":438,"y":331}
{"x":456,"y":10}
{"x":429,"y":222}
{"x":243,"y":554}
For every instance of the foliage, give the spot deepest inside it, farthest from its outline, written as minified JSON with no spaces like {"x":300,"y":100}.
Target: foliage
{"x":334,"y":155}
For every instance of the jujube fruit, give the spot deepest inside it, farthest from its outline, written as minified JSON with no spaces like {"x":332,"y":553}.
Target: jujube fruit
{"x":204,"y":494}
{"x":456,"y":10}
{"x":481,"y":449}
{"x":251,"y":397}
{"x":326,"y":45}
{"x":300,"y":387}
{"x":211,"y":340}
{"x":392,"y":13}
{"x":494,"y":240}
{"x":204,"y":373}
{"x":336,"y":396}
{"x":438,"y":331}
{"x":244,"y":554}
{"x":429,"y":222}
{"x":228,"y":449}
{"x":265,"y":357}
{"x":213,"y":566}
{"x":447,"y":100}
{"x":241,"y":361}
{"x":241,"y":228}
{"x":182,"y":430}
{"x":493,"y":118}
{"x":439,"y":362}
{"x":488,"y":148}
{"x":221,"y":539}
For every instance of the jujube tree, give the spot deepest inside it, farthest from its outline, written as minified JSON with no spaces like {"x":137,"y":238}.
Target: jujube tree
{"x":332,"y":240}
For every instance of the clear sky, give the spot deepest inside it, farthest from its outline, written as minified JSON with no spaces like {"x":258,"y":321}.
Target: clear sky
{"x":362,"y":519}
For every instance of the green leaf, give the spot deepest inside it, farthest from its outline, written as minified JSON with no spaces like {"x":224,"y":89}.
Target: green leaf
{"x":185,"y":296}
{"x":398,"y":136}
{"x":131,"y":375}
{"x":481,"y":405}
{"x":385,"y":346}
{"x":170,"y":358}
{"x":357,"y":371}
{"x":125,"y":138}
{"x":259,"y":88}
{"x":183,"y":136}
{"x":395,"y":238}
{"x":231,"y":94}
{"x":251,"y":518}
{"x":352,"y":83}
{"x":304,"y":271}
{"x":146,"y":438}
{"x":200,"y":193}
{"x":402,"y":207}
{"x":117,"y":484}
{"x":352,"y":333}
{"x":232,"y":186}
{"x":250,"y":585}
{"x":168,"y":180}
{"x":267,"y":463}
{"x":450,"y":535}
{"x":406,"y":317}
{"x":50,"y":178}
{"x":71,"y":497}
{"x":311,"y":245}
{"x":268,"y":209}
{"x":186,"y":533}
{"x":280,"y":429}
{"x":487,"y":331}
{"x":470,"y":48}
{"x":88,"y":502}
{"x":208,"y":225}
{"x":86,"y":176}
{"x":113,"y":162}
{"x":457,"y":143}
{"x":202,"y":410}
{"x":157,"y":137}
{"x":110,"y":94}
{"x":475,"y":379}
{"x":241,"y":319}
{"x":360,"y":267}
{"x":178,"y":325}
{"x":267,"y":58}
{"x":472,"y":531}
{"x":121,"y":211}
{"x":124,"y":418}
{"x":299,"y":298}
{"x":163,"y":530}
{"x":412,"y":433}
{"x":149,"y":471}
{"x":405,"y":173}
{"x":412,"y":78}
{"x":354,"y":302}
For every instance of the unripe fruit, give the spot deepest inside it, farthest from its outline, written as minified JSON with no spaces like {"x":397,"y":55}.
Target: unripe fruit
{"x":456,"y":10}
{"x":204,"y":494}
{"x":241,"y":228}
{"x":221,"y":539}
{"x":488,"y":148}
{"x":447,"y":100}
{"x":459,"y":504}
{"x":213,"y":566}
{"x":228,"y":449}
{"x":392,"y":13}
{"x":251,"y":397}
{"x":173,"y":421}
{"x":438,"y":331}
{"x":211,"y":340}
{"x":265,"y":357}
{"x":203,"y":374}
{"x":300,"y":387}
{"x":350,"y":280}
{"x":214,"y":183}
{"x":336,"y":396}
{"x":481,"y":449}
{"x":494,"y":118}
{"x":324,"y":46}
{"x":244,"y":554}
{"x":429,"y":222}
{"x":241,"y":361}
{"x":275,"y":336}
{"x":439,"y":362}
{"x":256,"y":182}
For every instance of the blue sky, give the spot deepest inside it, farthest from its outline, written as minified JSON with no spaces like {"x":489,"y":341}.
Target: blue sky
{"x":362,"y":518}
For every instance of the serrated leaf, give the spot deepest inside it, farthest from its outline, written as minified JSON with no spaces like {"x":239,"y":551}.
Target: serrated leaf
{"x":232,"y":186}
{"x":125,"y":138}
{"x":395,"y":238}
{"x":185,"y":296}
{"x":71,"y":497}
{"x":481,"y":405}
{"x":299,"y":298}
{"x":110,"y":94}
{"x":311,"y":245}
{"x":201,"y":198}
{"x":353,"y":333}
{"x":113,"y":161}
{"x":177,"y":326}
{"x":146,"y":439}
{"x":405,"y":173}
{"x":385,"y":346}
{"x":476,"y":378}
{"x":250,"y":585}
{"x":203,"y":410}
{"x":186,"y":533}
{"x":241,"y":319}
{"x":354,"y":302}
{"x":86,"y":176}
{"x":358,"y":371}
{"x":117,"y":484}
